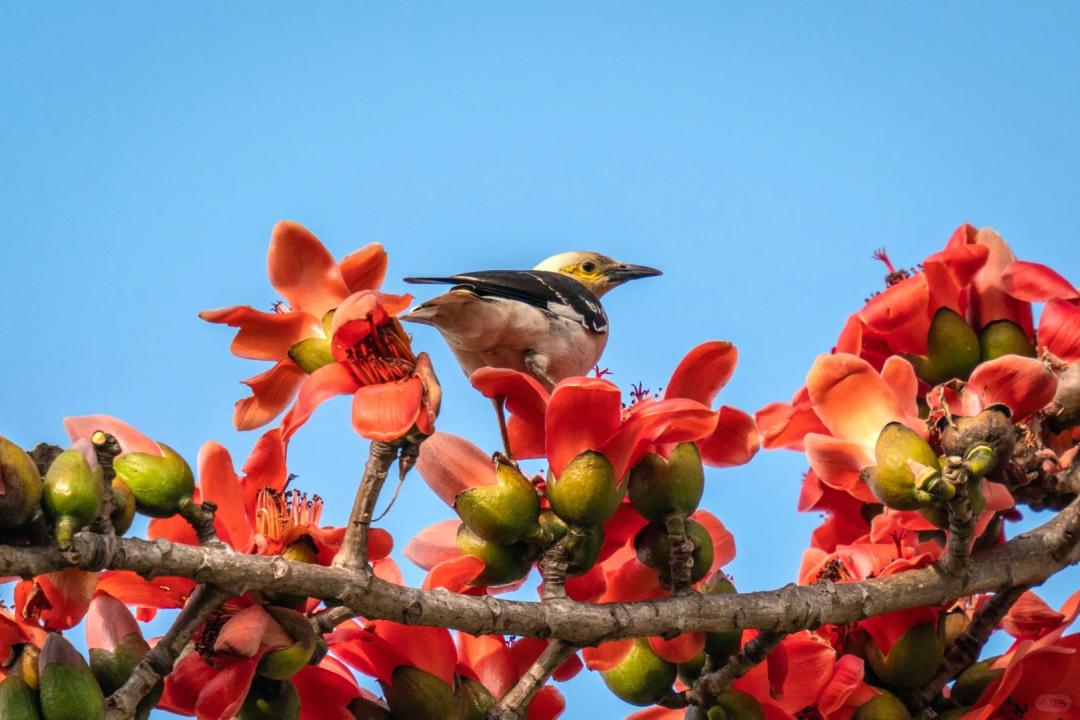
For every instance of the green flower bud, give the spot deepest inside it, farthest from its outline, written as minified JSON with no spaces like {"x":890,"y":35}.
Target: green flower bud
{"x":415,"y":694}
{"x":364,"y":709}
{"x":653,"y":549}
{"x":158,"y":482}
{"x":311,"y":354}
{"x":885,"y":706}
{"x":476,"y":698}
{"x":690,"y":670}
{"x":993,"y":428}
{"x":112,"y":669}
{"x":913,"y":658}
{"x":71,"y":494}
{"x":939,"y":516}
{"x":721,"y":645}
{"x":17,"y":700}
{"x":659,"y":487}
{"x":283,"y":663}
{"x":908,"y":472}
{"x":270,"y":700}
{"x":1004,"y":337}
{"x":503,"y":564}
{"x":952,"y":349}
{"x":68,"y":689}
{"x":736,"y":705}
{"x":971,"y":683}
{"x":503,"y":513}
{"x":642,"y":677}
{"x":21,"y":483}
{"x":123,"y":512}
{"x":587,"y":492}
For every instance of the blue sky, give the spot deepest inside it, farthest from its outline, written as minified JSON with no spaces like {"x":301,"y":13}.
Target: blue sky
{"x":757,"y":153}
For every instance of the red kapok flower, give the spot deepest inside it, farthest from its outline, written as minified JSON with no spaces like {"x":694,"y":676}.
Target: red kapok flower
{"x":313,"y":284}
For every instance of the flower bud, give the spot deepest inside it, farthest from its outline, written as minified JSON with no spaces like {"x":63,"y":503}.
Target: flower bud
{"x":123,"y":512}
{"x":503,"y":564}
{"x":690,"y":670}
{"x":659,"y":487}
{"x":17,"y":700}
{"x":364,"y":709}
{"x":952,"y":349}
{"x":735,"y":705}
{"x":971,"y":683}
{"x":654,"y":548}
{"x":912,"y":660}
{"x":939,"y":515}
{"x":642,"y":677}
{"x":418,"y":695}
{"x":1004,"y":337}
{"x":992,"y":428}
{"x":721,"y":645}
{"x":158,"y":482}
{"x":68,"y":689}
{"x":21,"y":484}
{"x":283,"y":663}
{"x":908,"y":472}
{"x":116,"y":645}
{"x":270,"y":700}
{"x":587,"y":492}
{"x":476,"y":698}
{"x":71,"y":494}
{"x":885,"y":706}
{"x":503,"y":513}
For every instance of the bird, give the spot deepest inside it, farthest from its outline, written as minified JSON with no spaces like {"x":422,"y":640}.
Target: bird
{"x":547,"y":322}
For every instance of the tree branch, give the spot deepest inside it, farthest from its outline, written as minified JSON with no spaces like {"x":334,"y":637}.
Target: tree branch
{"x":513,"y":705}
{"x":962,"y":518}
{"x":354,"y":551}
{"x":1027,"y":559}
{"x":710,"y":685}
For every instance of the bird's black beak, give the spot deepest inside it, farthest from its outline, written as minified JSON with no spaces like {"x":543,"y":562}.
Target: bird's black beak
{"x":623,"y":272}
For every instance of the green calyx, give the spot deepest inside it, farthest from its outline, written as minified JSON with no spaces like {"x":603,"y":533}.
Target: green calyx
{"x":587,"y":491}
{"x":654,"y":549}
{"x":503,"y":513}
{"x":283,"y":663}
{"x":158,"y":482}
{"x":939,"y":515}
{"x":112,"y":669}
{"x":952,"y":349}
{"x":416,"y":694}
{"x":71,"y":494}
{"x":721,"y":645}
{"x":913,"y":658}
{"x":476,"y":698}
{"x":735,"y":705}
{"x":503,"y":564}
{"x":659,"y":487}
{"x":364,"y":709}
{"x":270,"y":700}
{"x":21,"y":482}
{"x":311,"y":354}
{"x":1004,"y":337}
{"x":885,"y":706}
{"x":642,"y":677}
{"x":123,"y":512}
{"x":17,"y":700}
{"x":68,"y":690}
{"x":970,"y":684}
{"x":908,"y":472}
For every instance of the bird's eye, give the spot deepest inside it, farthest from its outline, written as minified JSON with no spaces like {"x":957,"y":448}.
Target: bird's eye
{"x":588,"y":266}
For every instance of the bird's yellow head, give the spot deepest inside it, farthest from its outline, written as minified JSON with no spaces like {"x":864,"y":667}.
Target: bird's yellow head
{"x":597,"y":272}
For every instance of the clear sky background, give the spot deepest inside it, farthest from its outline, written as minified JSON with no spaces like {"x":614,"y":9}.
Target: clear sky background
{"x":757,"y":153}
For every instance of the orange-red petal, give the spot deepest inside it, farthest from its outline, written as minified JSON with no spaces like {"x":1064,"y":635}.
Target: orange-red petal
{"x":264,"y":335}
{"x":1059,"y":330}
{"x":851,"y":398}
{"x":130,"y":439}
{"x":271,"y":392}
{"x":317,"y":388}
{"x":606,"y":655}
{"x":734,"y":441}
{"x":681,"y":648}
{"x":582,"y":414}
{"x":704,"y":371}
{"x":365,"y":268}
{"x":219,"y":484}
{"x":450,"y":464}
{"x":434,"y":544}
{"x":1023,"y":384}
{"x":303,"y":270}
{"x":1036,"y":282}
{"x":389,"y":410}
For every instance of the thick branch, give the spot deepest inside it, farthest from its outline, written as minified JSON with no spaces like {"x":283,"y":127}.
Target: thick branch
{"x":515,"y":702}
{"x":1027,"y":559}
{"x":962,"y":518}
{"x":680,"y":555}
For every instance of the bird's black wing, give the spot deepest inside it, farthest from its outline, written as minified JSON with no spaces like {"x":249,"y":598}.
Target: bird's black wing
{"x":550,"y":291}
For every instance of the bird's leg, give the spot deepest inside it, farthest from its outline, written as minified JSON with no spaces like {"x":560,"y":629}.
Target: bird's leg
{"x":500,"y":413}
{"x":537,"y":365}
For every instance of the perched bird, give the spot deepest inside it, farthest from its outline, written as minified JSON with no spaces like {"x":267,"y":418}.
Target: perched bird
{"x":547,"y":321}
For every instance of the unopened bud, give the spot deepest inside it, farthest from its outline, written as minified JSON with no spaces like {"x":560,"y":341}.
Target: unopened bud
{"x":906,"y":469}
{"x":270,"y":700}
{"x":17,"y":700}
{"x":653,"y":548}
{"x":283,"y":663}
{"x":72,"y":494}
{"x":912,"y":660}
{"x":952,"y":349}
{"x":503,"y":513}
{"x":68,"y":689}
{"x":21,"y":483}
{"x":659,"y":487}
{"x":503,"y":564}
{"x":416,"y":693}
{"x":159,"y":482}
{"x":884,"y":706}
{"x":1004,"y":337}
{"x":643,"y":677}
{"x":587,"y":491}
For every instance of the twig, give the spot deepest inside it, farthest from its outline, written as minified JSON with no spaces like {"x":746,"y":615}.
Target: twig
{"x":106,"y":448}
{"x":710,"y":685}
{"x":159,"y":660}
{"x":354,"y":550}
{"x":201,"y":518}
{"x":514,"y":704}
{"x":680,"y":555}
{"x":961,"y":518}
{"x":555,"y":563}
{"x":967,"y":647}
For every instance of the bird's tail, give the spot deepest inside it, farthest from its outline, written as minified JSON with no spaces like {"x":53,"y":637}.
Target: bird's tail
{"x":442,"y":308}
